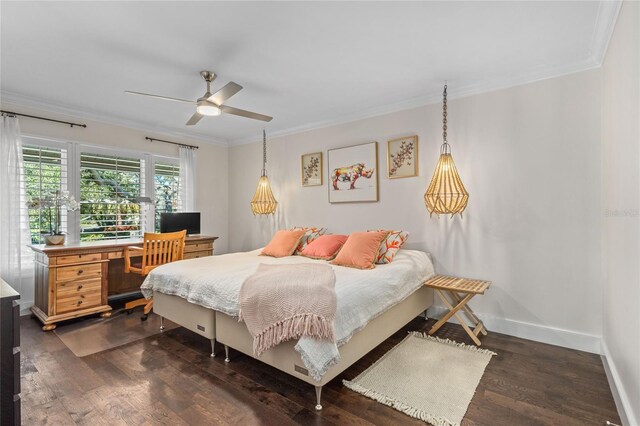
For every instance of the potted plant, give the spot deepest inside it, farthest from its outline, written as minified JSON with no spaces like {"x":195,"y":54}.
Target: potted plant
{"x":55,"y":202}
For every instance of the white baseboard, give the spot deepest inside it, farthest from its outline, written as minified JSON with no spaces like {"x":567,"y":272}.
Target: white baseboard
{"x":625,"y":411}
{"x":539,"y":333}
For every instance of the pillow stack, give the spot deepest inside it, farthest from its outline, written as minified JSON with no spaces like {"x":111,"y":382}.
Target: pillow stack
{"x":361,"y":250}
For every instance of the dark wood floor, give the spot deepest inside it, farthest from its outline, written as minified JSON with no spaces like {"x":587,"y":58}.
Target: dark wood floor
{"x":170,"y":379}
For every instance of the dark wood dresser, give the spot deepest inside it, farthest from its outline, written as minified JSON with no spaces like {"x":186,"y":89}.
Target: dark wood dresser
{"x":9,"y":355}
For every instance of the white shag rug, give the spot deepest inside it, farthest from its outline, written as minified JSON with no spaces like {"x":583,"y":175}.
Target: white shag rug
{"x":425,"y":377}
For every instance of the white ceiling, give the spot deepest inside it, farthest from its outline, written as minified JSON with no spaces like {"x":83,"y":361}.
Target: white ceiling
{"x":307,"y":64}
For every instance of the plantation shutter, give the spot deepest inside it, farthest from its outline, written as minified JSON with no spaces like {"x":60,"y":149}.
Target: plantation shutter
{"x":167,"y":190}
{"x":44,"y":172}
{"x":110,"y":191}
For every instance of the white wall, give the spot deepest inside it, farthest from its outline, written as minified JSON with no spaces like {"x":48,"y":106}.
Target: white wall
{"x":621,"y":203}
{"x":212,"y":164}
{"x":530,"y":158}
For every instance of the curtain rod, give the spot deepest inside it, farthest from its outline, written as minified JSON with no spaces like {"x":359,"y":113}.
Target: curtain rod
{"x":173,"y":143}
{"x":11,"y":113}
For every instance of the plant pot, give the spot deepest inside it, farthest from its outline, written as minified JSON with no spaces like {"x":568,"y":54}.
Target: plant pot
{"x":54,"y":240}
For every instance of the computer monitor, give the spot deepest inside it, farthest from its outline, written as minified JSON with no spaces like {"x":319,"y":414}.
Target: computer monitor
{"x":173,"y":222}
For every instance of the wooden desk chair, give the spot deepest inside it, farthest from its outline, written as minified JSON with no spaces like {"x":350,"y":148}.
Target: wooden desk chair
{"x":156,"y":250}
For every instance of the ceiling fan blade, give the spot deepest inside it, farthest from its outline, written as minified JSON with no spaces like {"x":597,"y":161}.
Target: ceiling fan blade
{"x":194,"y":119}
{"x":242,"y":113}
{"x":225,"y":93}
{"x":159,"y":97}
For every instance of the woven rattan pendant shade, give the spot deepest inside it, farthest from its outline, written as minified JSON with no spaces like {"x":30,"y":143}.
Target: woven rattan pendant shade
{"x":446,"y":193}
{"x":263,"y":201}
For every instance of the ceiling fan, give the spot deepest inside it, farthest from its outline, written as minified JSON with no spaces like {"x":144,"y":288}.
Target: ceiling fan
{"x":211,"y":104}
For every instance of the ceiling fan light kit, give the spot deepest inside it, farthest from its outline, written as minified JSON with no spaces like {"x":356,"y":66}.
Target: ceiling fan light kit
{"x":446,"y":193}
{"x":208,"y":108}
{"x":211,"y":104}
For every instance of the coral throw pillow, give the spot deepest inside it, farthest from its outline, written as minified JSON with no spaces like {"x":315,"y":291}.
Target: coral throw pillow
{"x":309,"y":235}
{"x":360,"y":250}
{"x":283,"y":243}
{"x":324,"y":247}
{"x":390,"y":245}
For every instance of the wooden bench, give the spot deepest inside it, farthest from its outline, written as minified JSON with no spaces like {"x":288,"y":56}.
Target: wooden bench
{"x":460,"y":291}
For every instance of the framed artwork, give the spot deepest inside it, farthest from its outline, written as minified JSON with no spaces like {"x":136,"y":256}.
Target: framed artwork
{"x":353,"y":173}
{"x":402,"y":157}
{"x":311,"y":165}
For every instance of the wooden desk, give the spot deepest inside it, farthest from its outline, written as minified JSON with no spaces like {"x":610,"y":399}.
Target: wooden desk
{"x":77,"y":279}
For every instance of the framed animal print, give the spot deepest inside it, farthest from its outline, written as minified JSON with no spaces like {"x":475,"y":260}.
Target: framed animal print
{"x":353,"y":173}
{"x":312,"y":169}
{"x":402,"y":157}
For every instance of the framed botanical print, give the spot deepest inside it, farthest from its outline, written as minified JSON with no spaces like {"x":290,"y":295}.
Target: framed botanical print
{"x":402,"y":157}
{"x":353,"y":173}
{"x":311,"y":169}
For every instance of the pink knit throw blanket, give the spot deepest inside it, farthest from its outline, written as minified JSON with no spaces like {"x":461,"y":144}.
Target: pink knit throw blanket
{"x":283,"y":302}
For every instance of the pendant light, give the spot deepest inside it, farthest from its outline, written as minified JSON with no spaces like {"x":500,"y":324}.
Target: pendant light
{"x":263,"y":201}
{"x":446,"y":194}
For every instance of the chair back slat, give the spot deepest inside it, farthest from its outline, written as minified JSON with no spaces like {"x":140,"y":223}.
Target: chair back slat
{"x":159,"y":249}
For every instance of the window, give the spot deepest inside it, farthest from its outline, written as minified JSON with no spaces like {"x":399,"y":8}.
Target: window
{"x":166,"y":181}
{"x":110,"y":191}
{"x":112,"y":187}
{"x":45,"y":172}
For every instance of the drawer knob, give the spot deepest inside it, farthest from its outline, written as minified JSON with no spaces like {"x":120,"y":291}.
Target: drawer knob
{"x":80,"y":287}
{"x":80,"y":271}
{"x":79,"y":302}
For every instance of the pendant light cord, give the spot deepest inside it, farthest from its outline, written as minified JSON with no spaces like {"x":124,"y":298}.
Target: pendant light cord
{"x":264,"y":152}
{"x":445,"y":149}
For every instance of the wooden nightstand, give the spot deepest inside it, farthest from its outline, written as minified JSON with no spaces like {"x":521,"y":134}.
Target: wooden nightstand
{"x":460,"y":292}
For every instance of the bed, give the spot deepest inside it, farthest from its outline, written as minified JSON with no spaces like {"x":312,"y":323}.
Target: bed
{"x":202,"y":295}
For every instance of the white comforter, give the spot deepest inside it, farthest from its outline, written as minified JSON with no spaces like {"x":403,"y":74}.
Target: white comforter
{"x":214,"y":282}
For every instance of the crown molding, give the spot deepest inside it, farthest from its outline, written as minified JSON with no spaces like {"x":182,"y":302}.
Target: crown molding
{"x":433,"y":98}
{"x":25,"y":101}
{"x":606,"y":19}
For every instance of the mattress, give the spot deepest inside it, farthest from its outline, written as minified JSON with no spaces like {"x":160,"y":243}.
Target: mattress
{"x":214,"y":282}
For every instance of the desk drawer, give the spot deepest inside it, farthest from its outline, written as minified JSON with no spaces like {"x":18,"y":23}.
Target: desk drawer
{"x":78,"y":258}
{"x":197,"y":247}
{"x":197,"y":254}
{"x":75,"y":288}
{"x":78,"y":301}
{"x":79,"y":272}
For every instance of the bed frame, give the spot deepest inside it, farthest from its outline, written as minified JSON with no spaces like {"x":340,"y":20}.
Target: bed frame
{"x":233,"y":334}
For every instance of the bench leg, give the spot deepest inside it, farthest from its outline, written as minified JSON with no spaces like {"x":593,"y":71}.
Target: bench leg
{"x":452,"y":310}
{"x":471,"y":315}
{"x":461,"y":305}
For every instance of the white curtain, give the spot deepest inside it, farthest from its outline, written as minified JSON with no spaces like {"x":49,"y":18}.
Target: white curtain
{"x":16,"y":265}
{"x":187,"y":178}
